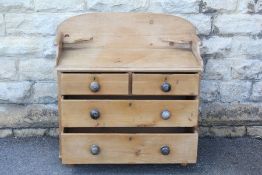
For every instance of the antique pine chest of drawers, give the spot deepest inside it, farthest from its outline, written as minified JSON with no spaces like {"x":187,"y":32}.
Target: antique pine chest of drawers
{"x":128,"y":89}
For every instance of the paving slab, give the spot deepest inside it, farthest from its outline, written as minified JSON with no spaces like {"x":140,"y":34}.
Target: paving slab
{"x":216,"y":156}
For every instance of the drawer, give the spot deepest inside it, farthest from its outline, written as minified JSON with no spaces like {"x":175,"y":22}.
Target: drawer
{"x":95,"y":148}
{"x":93,"y":84}
{"x":129,"y":113}
{"x":165,"y":84}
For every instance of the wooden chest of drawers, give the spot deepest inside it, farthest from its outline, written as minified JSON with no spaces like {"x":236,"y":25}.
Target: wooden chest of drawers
{"x":128,"y":89}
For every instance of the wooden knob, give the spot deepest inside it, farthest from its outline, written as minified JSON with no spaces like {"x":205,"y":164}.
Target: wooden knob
{"x":94,"y":149}
{"x":166,"y":87}
{"x":165,"y":150}
{"x":94,"y":114}
{"x":94,"y":86}
{"x":165,"y":114}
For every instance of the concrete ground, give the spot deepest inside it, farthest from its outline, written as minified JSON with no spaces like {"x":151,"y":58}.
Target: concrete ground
{"x":217,"y":156}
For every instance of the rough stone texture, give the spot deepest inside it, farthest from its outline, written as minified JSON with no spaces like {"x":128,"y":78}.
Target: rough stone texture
{"x":257,"y":91}
{"x":211,"y":6}
{"x":16,"y":5}
{"x":14,"y":92}
{"x":209,"y":91}
{"x":26,"y":23}
{"x":45,"y":92}
{"x":181,"y":6}
{"x":117,"y":6}
{"x":222,"y":131}
{"x":243,"y":45}
{"x":232,"y":46}
{"x":27,"y":46}
{"x":32,"y":115}
{"x":203,"y":22}
{"x":37,"y":69}
{"x":230,"y":30}
{"x":53,"y":132}
{"x":255,"y":131}
{"x":217,"y":69}
{"x":231,"y":114}
{"x":235,"y":91}
{"x":247,"y":69}
{"x":6,"y":133}
{"x":58,"y":6}
{"x":8,"y":71}
{"x":216,"y":45}
{"x":2,"y":25}
{"x":238,"y":24}
{"x":29,"y":132}
{"x":250,"y":6}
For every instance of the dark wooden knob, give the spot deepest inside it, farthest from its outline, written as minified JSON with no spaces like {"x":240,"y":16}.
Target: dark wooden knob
{"x":94,"y":114}
{"x":94,"y":86}
{"x":165,"y":150}
{"x":166,"y":87}
{"x":94,"y":149}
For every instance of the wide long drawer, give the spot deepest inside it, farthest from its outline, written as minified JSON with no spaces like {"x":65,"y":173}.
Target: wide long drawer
{"x":113,"y":148}
{"x":129,"y":113}
{"x":93,"y":84}
{"x":165,"y":84}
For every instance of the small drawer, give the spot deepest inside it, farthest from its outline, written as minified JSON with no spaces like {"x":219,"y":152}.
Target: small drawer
{"x":129,"y":113}
{"x":93,"y":84}
{"x":112,"y":148}
{"x":165,"y":84}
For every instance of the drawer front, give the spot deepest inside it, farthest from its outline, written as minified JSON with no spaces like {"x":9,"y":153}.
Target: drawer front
{"x":165,"y":84}
{"x":93,"y":84}
{"x":129,"y":113}
{"x":129,"y":148}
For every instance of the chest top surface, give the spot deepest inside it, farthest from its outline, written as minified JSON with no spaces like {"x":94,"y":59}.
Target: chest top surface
{"x":112,"y":42}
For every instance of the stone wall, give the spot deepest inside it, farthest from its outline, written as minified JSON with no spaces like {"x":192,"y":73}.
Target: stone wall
{"x":231,"y":34}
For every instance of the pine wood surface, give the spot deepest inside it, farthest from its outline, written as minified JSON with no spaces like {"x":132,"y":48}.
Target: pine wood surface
{"x":129,"y":113}
{"x":129,"y":148}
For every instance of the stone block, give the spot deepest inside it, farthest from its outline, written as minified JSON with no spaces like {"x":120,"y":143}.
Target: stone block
{"x":32,"y":115}
{"x":45,"y":24}
{"x":24,"y":46}
{"x":250,"y":6}
{"x":257,"y":92}
{"x":218,"y":69}
{"x":45,"y":92}
{"x":6,"y":133}
{"x":202,"y":22}
{"x":11,"y":6}
{"x":255,"y":131}
{"x":8,"y":69}
{"x":57,"y":6}
{"x":238,"y":24}
{"x":231,"y":114}
{"x":222,"y":6}
{"x":37,"y":69}
{"x":181,"y":6}
{"x":118,"y":6}
{"x":14,"y":92}
{"x":29,"y":132}
{"x":209,"y":91}
{"x":227,"y":131}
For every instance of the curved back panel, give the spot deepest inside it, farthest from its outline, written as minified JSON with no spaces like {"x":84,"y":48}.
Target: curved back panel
{"x":126,"y":24}
{"x":126,"y":36}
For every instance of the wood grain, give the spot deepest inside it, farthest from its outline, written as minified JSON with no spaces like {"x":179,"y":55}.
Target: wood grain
{"x":126,"y":23}
{"x":181,"y":84}
{"x":109,"y":42}
{"x":123,"y":59}
{"x":129,"y":148}
{"x":129,"y":113}
{"x":130,"y":55}
{"x":78,"y":84}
